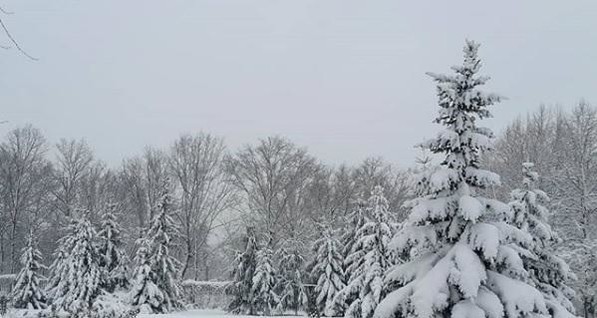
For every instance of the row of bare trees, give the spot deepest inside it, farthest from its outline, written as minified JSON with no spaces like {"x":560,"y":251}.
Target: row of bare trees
{"x":272,"y":185}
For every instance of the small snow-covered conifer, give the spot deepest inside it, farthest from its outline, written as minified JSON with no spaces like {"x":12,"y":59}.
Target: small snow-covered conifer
{"x":547,"y":271}
{"x":353,"y":253}
{"x":241,"y":288}
{"x":78,"y":277}
{"x":264,"y":282}
{"x":164,"y":265}
{"x":291,"y":285}
{"x":144,"y":293}
{"x":27,"y":293}
{"x":328,"y":273}
{"x":365,"y":286}
{"x":113,"y":258}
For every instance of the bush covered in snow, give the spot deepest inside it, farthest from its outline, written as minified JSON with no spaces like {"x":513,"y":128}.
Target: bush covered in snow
{"x":205,"y":295}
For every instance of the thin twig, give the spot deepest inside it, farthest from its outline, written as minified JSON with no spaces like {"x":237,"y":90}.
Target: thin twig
{"x":5,"y":11}
{"x":14,"y":42}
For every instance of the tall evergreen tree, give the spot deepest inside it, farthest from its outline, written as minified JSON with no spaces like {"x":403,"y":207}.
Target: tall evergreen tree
{"x":241,"y":287}
{"x":372,"y":248}
{"x":265,"y":281}
{"x":328,"y":272}
{"x":27,"y":293}
{"x":113,"y":258}
{"x":77,"y":279}
{"x":463,"y":261}
{"x":548,"y":272}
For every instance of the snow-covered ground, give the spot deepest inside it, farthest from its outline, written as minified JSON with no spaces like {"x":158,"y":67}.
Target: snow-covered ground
{"x":204,"y":313}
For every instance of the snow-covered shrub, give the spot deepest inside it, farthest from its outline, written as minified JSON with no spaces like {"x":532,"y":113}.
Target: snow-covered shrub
{"x":205,"y":295}
{"x":111,"y":305}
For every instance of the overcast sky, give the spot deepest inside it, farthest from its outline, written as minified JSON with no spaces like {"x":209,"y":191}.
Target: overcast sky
{"x":344,"y":78}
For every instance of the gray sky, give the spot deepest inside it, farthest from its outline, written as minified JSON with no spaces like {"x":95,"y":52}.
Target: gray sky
{"x":344,"y":78}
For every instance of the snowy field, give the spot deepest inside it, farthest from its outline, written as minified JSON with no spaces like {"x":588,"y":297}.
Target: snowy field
{"x":206,"y":313}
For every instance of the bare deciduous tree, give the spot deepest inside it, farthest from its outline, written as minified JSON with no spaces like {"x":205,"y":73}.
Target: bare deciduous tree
{"x":72,"y":166}
{"x":22,"y":168}
{"x":196,"y":163}
{"x":274,"y":177}
{"x":143,"y":180}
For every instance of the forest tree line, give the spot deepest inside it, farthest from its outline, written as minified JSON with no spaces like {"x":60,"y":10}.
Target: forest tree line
{"x":277,"y":188}
{"x":216,"y":193}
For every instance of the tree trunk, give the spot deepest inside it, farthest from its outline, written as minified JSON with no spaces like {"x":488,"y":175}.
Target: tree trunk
{"x":188,"y":258}
{"x":13,"y":243}
{"x":2,"y":252}
{"x":206,"y":266}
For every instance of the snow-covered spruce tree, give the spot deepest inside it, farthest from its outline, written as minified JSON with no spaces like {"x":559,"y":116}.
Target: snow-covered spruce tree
{"x":353,"y":253}
{"x":328,"y":272}
{"x":548,"y":272}
{"x":27,"y":293}
{"x":464,"y":261}
{"x":78,"y":277}
{"x":145,"y":294}
{"x":264,"y":282}
{"x":242,"y":285}
{"x":163,"y":265}
{"x":291,"y":284}
{"x":113,"y":258}
{"x":372,"y":248}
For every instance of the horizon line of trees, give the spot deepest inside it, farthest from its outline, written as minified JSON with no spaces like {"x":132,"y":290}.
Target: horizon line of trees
{"x":215,"y":193}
